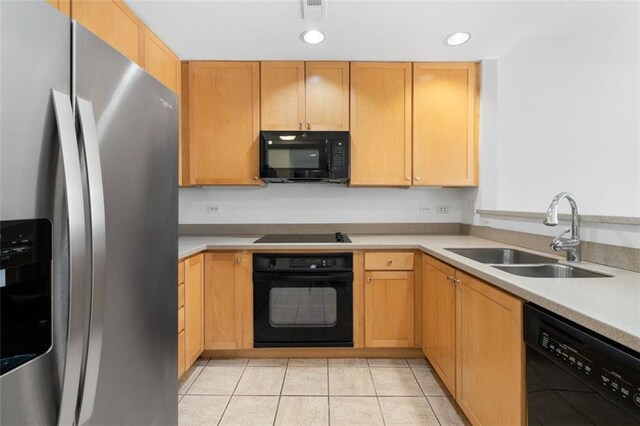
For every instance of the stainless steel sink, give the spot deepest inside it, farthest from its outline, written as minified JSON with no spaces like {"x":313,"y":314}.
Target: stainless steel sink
{"x":550,"y":271}
{"x":501,"y":256}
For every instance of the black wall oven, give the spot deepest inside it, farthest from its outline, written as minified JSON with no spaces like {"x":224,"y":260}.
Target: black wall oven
{"x":303,"y":300}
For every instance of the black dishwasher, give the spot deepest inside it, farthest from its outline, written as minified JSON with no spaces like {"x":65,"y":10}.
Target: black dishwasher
{"x":576,"y":376}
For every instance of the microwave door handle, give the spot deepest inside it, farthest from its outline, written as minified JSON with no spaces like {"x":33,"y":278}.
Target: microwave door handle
{"x":89,"y":140}
{"x":77,"y":258}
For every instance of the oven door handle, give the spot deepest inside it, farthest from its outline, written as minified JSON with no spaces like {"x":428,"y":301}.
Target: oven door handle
{"x":341,"y":276}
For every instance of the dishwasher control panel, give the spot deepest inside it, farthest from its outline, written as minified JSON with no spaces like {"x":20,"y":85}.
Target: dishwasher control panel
{"x":609,"y":368}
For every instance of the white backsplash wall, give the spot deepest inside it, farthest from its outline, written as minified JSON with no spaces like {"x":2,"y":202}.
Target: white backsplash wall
{"x":317,"y":203}
{"x":560,"y":111}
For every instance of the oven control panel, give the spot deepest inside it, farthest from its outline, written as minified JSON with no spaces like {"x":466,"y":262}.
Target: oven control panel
{"x":303,"y":262}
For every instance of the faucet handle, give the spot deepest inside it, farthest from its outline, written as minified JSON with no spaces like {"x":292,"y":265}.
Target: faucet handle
{"x":556,"y":244}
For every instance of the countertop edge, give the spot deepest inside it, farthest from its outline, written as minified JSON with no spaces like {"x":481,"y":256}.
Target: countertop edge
{"x":621,"y":336}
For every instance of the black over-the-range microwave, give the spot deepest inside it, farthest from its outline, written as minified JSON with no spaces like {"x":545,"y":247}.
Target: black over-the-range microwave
{"x":305,"y":156}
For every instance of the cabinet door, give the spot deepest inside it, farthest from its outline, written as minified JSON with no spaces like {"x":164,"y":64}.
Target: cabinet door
{"x":381,"y":123}
{"x":327,"y":95}
{"x":193,"y":308}
{"x":389,"y":306}
{"x":490,"y":354}
{"x":113,"y":22}
{"x":439,"y":318}
{"x":444,"y":124}
{"x":161,"y":62}
{"x":223,"y":302}
{"x":282,"y":96}
{"x":221,"y":123}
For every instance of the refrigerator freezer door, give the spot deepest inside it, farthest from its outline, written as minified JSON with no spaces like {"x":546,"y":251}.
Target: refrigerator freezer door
{"x":137,"y":131}
{"x":36,"y":50}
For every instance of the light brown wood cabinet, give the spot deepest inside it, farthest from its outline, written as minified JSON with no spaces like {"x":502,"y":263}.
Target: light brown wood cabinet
{"x":228,"y":301}
{"x":490,"y":354}
{"x":439,"y":319}
{"x":113,"y":22}
{"x":389,"y":301}
{"x":304,"y":95}
{"x":193,"y":308}
{"x":445,"y":148}
{"x":63,"y":6}
{"x":381,"y":123}
{"x":182,"y":365}
{"x":161,"y":62}
{"x":220,"y":123}
{"x":481,"y":360}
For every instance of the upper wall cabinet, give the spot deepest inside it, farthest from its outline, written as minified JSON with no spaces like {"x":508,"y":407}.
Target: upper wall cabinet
{"x":113,"y":22}
{"x":220,"y":123}
{"x":161,"y":62}
{"x":381,"y":123}
{"x":445,"y":149}
{"x":305,"y":95}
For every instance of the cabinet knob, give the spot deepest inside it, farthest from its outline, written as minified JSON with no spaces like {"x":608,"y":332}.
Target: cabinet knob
{"x":238,"y":260}
{"x":368,"y":279}
{"x":299,"y":125}
{"x":389,"y":261}
{"x":255,"y":178}
{"x":308,"y":125}
{"x":450,"y":278}
{"x":418,"y":178}
{"x":408,"y":178}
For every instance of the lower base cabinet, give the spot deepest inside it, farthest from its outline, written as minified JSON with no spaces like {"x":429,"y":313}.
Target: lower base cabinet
{"x":190,"y":312}
{"x":477,"y":328}
{"x":182,"y":366}
{"x":228,"y":306}
{"x":490,"y":354}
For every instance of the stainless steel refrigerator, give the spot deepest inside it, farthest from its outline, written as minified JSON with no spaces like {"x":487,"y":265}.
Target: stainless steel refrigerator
{"x":89,"y":212}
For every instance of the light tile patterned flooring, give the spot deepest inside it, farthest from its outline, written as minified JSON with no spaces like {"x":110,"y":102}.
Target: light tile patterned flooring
{"x":300,"y":392}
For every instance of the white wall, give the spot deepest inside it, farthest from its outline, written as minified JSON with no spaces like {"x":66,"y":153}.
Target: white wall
{"x":317,"y":203}
{"x":560,"y":112}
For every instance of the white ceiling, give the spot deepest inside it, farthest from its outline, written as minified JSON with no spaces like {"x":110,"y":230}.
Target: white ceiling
{"x":355,"y":29}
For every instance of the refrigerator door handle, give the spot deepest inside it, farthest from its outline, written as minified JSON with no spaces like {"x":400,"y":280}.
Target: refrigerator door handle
{"x":89,"y":141}
{"x":77,"y":257}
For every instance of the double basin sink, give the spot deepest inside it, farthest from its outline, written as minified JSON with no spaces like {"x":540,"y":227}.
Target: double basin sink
{"x":524,"y":264}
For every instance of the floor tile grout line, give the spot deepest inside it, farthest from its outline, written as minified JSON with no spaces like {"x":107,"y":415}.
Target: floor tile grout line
{"x":377,"y":396}
{"x":328,"y":396}
{"x":233,"y":392}
{"x":194,"y":379}
{"x":426,"y":397}
{"x":286,"y":368}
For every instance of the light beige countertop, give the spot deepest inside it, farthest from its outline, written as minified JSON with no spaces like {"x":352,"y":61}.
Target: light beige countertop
{"x":609,"y":306}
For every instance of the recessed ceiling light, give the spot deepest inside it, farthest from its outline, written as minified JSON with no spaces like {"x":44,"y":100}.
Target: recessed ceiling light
{"x":313,"y":36}
{"x":456,"y":39}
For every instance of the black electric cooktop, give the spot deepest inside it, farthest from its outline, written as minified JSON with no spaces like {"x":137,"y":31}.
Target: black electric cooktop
{"x":338,"y":237}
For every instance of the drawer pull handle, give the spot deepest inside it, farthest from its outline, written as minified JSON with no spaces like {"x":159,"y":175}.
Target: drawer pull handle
{"x":389,"y":261}
{"x":238,"y":260}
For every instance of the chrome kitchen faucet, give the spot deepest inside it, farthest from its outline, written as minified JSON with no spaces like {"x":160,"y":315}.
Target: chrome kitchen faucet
{"x":570,"y":245}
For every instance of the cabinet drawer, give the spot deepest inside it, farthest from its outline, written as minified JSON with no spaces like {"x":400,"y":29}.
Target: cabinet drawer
{"x":181,"y":354}
{"x":388,"y":261}
{"x":180,"y":273}
{"x":180,"y":295}
{"x":180,"y":319}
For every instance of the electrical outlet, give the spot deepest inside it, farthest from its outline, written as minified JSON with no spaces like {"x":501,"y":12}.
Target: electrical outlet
{"x":214,"y":208}
{"x":426,"y":209}
{"x":443,"y":209}
{"x":485,"y":222}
